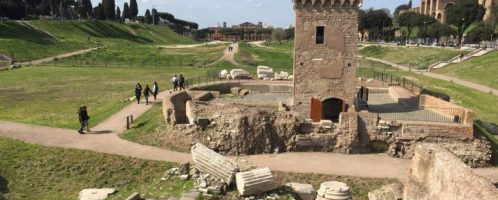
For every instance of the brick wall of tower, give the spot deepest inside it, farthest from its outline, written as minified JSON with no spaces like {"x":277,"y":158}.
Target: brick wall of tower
{"x":328,"y":70}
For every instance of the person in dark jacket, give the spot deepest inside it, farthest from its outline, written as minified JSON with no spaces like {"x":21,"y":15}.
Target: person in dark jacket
{"x":181,"y":82}
{"x":147,"y":91}
{"x":83,"y":118}
{"x":138,"y":92}
{"x":155,"y":90}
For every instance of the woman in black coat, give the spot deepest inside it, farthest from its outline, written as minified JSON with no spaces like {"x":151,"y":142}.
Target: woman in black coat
{"x":138,"y":92}
{"x":147,"y":91}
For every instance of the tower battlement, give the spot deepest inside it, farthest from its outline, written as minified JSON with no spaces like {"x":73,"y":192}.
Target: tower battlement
{"x":327,"y":3}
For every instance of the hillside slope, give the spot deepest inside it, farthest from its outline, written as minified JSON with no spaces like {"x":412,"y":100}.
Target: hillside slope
{"x":35,"y":40}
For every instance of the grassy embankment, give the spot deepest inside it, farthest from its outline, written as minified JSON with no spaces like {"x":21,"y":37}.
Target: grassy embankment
{"x":482,"y":70}
{"x":278,"y":57}
{"x":416,"y":57}
{"x":29,"y":171}
{"x":25,"y":43}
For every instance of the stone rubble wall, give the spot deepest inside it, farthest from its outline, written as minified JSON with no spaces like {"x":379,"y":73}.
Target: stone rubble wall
{"x":438,"y":174}
{"x":175,"y":109}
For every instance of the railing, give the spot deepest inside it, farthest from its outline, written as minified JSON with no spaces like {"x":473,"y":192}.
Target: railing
{"x":141,"y":63}
{"x":433,"y":114}
{"x":399,"y":81}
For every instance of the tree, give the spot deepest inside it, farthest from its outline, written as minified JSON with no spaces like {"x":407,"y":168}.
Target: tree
{"x":155,"y":17}
{"x":133,"y":8}
{"x":118,"y":14}
{"x":109,"y":9}
{"x":374,"y":22}
{"x":99,"y":12}
{"x":411,"y":20}
{"x":148,"y":17}
{"x":462,"y":14}
{"x":402,"y":7}
{"x":279,"y":34}
{"x":438,"y":30}
{"x":362,"y":28}
{"x":86,"y":10}
{"x":126,"y":11}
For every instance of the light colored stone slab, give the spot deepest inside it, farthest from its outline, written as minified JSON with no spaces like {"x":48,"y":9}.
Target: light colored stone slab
{"x":334,"y":191}
{"x":304,"y":191}
{"x":255,"y":182}
{"x":210,"y":162}
{"x":95,"y":194}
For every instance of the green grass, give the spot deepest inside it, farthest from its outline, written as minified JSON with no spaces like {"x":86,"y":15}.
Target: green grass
{"x":287,"y":45}
{"x":26,"y":43}
{"x":482,"y":70}
{"x":125,"y":55}
{"x":417,"y":57}
{"x":29,"y":171}
{"x":143,"y":129}
{"x":50,"y":96}
{"x":483,"y":104}
{"x":279,"y":60}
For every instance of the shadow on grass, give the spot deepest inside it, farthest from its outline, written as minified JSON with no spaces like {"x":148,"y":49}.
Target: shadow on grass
{"x":4,"y":185}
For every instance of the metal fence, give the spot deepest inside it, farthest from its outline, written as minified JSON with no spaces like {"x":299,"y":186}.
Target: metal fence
{"x":396,"y":80}
{"x":428,"y":114}
{"x":140,"y":63}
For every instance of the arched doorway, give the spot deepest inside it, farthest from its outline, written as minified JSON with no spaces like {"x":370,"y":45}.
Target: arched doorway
{"x":332,"y":108}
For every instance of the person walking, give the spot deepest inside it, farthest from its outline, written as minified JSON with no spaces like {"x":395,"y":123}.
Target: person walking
{"x":181,"y":82}
{"x":147,"y":92}
{"x":174,"y":81}
{"x":138,"y":92}
{"x":155,"y":90}
{"x":83,"y":118}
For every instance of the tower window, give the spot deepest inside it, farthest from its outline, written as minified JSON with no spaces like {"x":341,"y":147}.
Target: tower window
{"x":320,"y":34}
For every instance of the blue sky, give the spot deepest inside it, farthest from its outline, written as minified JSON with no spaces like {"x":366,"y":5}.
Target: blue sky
{"x":212,"y":12}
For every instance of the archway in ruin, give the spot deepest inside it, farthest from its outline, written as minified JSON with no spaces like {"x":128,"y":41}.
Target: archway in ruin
{"x":332,"y":108}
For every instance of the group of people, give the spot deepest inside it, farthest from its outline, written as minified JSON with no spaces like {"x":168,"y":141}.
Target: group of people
{"x":178,"y":82}
{"x":146,"y":92}
{"x":230,"y":48}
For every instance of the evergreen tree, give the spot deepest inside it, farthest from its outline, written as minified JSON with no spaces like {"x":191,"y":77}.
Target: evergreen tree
{"x":148,"y":17}
{"x":118,"y":14}
{"x":133,"y":8}
{"x":86,"y":10}
{"x":126,"y":11}
{"x":155,"y":17}
{"x":109,"y":9}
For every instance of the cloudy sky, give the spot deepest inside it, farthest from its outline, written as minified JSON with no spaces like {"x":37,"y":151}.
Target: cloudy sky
{"x":213,"y":12}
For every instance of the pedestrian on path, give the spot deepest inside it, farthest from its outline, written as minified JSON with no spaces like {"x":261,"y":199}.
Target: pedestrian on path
{"x":181,"y":82}
{"x":174,"y":81}
{"x":147,"y":91}
{"x":155,"y":90}
{"x":138,"y":92}
{"x":83,"y":118}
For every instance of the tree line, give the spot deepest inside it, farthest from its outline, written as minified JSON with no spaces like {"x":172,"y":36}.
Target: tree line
{"x":465,"y":17}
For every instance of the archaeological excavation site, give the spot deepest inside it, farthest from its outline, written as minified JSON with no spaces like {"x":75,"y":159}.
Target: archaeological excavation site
{"x":324,"y":107}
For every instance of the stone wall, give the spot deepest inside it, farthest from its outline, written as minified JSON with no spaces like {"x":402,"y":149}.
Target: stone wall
{"x":175,"y":109}
{"x":438,"y":174}
{"x":446,"y":108}
{"x":326,"y":70}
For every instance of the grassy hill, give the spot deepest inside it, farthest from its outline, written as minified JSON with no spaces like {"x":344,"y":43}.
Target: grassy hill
{"x":417,"y":57}
{"x":41,"y":38}
{"x":481,"y":70}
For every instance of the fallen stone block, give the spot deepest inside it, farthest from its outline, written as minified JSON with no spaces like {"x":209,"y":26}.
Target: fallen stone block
{"x":95,"y":194}
{"x":184,"y":168}
{"x":255,"y":182}
{"x":240,"y":74}
{"x":134,"y":196}
{"x":235,"y":90}
{"x":334,"y":191}
{"x":244,"y":92}
{"x":264,"y":72}
{"x":210,"y":162}
{"x":304,"y":191}
{"x":388,"y":192}
{"x":223,"y":74}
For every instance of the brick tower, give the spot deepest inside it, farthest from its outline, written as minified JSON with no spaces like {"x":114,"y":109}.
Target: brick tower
{"x":325,"y":57}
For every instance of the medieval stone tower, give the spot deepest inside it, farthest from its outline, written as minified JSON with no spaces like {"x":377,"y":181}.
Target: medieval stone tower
{"x":325,"y":57}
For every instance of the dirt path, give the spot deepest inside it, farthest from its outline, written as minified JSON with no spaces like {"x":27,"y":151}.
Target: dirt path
{"x":65,"y":55}
{"x":229,"y":56}
{"x":192,"y":45}
{"x":468,"y":84}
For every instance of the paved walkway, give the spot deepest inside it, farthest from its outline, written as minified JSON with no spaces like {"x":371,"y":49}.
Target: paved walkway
{"x":468,"y":84}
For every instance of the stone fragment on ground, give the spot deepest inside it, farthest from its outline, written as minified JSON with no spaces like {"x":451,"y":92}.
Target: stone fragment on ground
{"x":96,"y":194}
{"x":333,"y":190}
{"x":264,"y":72}
{"x":255,"y":182}
{"x":134,"y":196}
{"x":240,"y":74}
{"x":388,"y":192}
{"x":192,"y":195}
{"x":304,"y":191}
{"x":214,"y":164}
{"x":235,"y":90}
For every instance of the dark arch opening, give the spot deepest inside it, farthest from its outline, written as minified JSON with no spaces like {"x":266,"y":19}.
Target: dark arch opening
{"x":332,"y":108}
